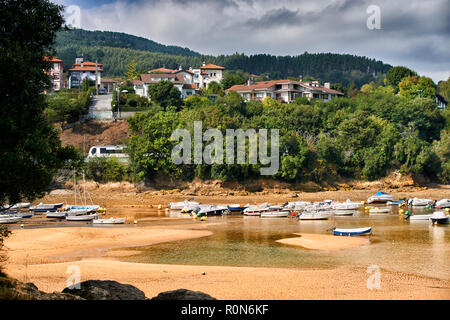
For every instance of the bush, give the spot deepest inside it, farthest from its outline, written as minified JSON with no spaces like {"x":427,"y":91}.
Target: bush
{"x":107,"y":170}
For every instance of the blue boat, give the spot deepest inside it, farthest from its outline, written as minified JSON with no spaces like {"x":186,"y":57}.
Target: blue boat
{"x":352,"y":232}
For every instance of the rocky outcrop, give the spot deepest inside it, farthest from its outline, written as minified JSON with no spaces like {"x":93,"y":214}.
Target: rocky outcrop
{"x":16,"y":290}
{"x":183,"y":294}
{"x":106,"y":290}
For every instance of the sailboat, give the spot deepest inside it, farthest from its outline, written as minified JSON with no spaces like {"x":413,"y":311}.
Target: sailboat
{"x":81,"y":211}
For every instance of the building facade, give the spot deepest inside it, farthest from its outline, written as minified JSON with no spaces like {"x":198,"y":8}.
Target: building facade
{"x":85,"y":70}
{"x":56,"y":72}
{"x":285,"y":90}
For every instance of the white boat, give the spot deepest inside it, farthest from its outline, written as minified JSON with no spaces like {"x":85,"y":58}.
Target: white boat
{"x":181,"y":205}
{"x":443,"y":203}
{"x":22,"y":205}
{"x":43,"y":207}
{"x":379,"y":210}
{"x":110,"y":221}
{"x":352,"y":231}
{"x":439,"y":217}
{"x":343,"y":212}
{"x":213,"y":210}
{"x":419,"y":217}
{"x":9,"y":219}
{"x":275,"y":212}
{"x":56,"y":215}
{"x":256,"y":210}
{"x":86,"y":217}
{"x":417,"y":202}
{"x":380,"y":197}
{"x":348,"y":205}
{"x":296,"y":206}
{"x":315,"y":215}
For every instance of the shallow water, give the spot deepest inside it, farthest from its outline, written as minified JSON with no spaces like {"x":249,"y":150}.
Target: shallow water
{"x":396,"y":244}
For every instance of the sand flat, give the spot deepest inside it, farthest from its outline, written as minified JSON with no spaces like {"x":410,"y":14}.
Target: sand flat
{"x":324,"y":242}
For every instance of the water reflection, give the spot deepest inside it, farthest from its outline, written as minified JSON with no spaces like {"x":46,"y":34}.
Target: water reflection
{"x":250,"y":241}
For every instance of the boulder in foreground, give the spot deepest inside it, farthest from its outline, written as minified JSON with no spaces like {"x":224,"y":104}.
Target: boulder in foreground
{"x":183,"y":294}
{"x":106,"y":290}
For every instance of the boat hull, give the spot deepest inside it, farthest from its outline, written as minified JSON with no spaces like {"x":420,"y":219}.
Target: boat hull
{"x":352,"y":232}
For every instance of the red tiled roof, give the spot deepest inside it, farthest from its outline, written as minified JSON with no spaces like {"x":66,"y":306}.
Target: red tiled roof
{"x":148,"y":77}
{"x":76,"y":68}
{"x":87,"y":63}
{"x":212,"y":66}
{"x":260,"y":85}
{"x":162,"y":70}
{"x":137,"y":82}
{"x":188,"y":71}
{"x":53,"y":59}
{"x":190,"y":86}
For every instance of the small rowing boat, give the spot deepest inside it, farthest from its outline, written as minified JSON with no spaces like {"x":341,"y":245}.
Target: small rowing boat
{"x":352,"y":232}
{"x":420,"y":217}
{"x":110,"y":221}
{"x":343,"y":212}
{"x":85,"y":217}
{"x":376,"y":210}
{"x":275,"y":214}
{"x":315,"y":215}
{"x":348,"y":205}
{"x":9,"y":219}
{"x":417,"y":202}
{"x":439,"y":217}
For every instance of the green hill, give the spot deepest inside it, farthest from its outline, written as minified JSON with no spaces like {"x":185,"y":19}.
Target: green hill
{"x":115,"y":50}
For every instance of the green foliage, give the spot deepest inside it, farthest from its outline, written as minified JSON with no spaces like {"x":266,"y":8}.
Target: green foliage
{"x":396,"y":74}
{"x":165,"y":94}
{"x":444,"y":89}
{"x":67,"y":106}
{"x":413,"y":87}
{"x":107,"y":170}
{"x":30,"y":150}
{"x":131,"y":70}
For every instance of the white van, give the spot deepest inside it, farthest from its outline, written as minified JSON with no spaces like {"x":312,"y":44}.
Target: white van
{"x":108,"y":152}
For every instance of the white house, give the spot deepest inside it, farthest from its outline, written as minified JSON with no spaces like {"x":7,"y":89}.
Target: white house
{"x":182,"y":79}
{"x":82,"y":70}
{"x":56,"y":72}
{"x":206,"y":74}
{"x":285,"y":90}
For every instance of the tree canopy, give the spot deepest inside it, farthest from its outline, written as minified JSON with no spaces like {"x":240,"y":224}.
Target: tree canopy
{"x":30,"y":150}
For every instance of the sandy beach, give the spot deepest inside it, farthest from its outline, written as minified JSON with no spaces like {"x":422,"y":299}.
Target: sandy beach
{"x":43,"y":256}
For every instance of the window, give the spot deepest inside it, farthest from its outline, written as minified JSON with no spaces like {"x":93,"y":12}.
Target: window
{"x":94,"y":150}
{"x":103,"y":151}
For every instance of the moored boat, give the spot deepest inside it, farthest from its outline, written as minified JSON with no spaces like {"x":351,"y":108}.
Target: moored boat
{"x":43,"y":207}
{"x":439,"y":217}
{"x":417,"y":202}
{"x":85,"y":217}
{"x":181,"y":205}
{"x":56,"y":215}
{"x":256,"y":209}
{"x":376,"y":210}
{"x":380,"y":197}
{"x":213,"y":210}
{"x":420,"y":217}
{"x":352,"y":231}
{"x":110,"y":221}
{"x":274,"y":212}
{"x":348,"y":205}
{"x":443,"y":203}
{"x":315,"y":215}
{"x":9,"y":219}
{"x":343,"y":212}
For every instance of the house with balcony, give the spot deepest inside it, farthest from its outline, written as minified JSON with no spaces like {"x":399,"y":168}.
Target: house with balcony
{"x":56,"y":72}
{"x":285,"y":90}
{"x":85,"y":70}
{"x":206,"y":74}
{"x":182,"y":79}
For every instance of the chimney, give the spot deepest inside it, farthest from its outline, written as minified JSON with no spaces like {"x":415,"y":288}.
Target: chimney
{"x":327,"y":85}
{"x":250,"y":81}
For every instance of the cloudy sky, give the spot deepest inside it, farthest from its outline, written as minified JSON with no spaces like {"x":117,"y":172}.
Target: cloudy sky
{"x":413,"y":33}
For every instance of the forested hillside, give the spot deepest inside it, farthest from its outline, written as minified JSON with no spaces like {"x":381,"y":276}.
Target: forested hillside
{"x":116,"y":50}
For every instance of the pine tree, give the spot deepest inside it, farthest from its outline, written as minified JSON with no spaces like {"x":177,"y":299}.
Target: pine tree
{"x":131,"y":70}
